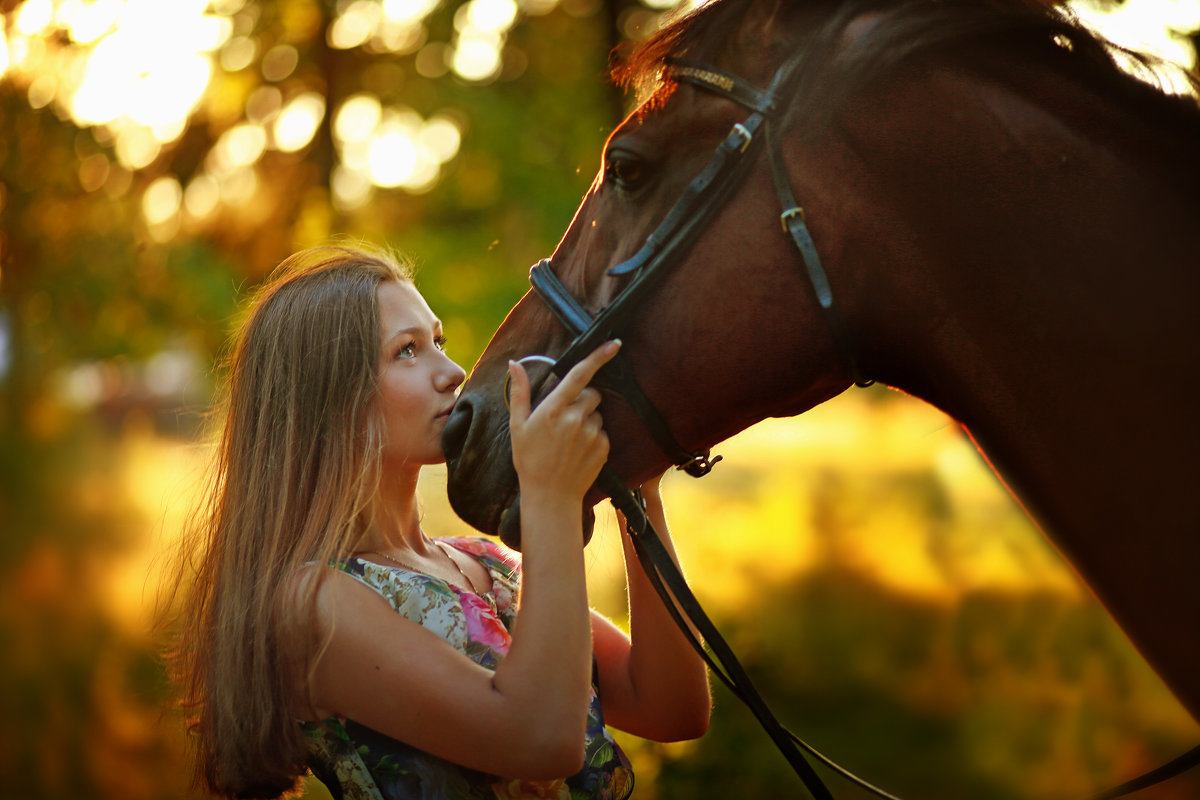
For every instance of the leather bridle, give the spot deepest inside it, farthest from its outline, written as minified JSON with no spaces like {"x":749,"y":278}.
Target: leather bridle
{"x":703,"y":198}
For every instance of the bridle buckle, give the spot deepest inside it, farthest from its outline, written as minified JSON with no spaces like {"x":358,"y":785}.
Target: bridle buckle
{"x":699,"y":465}
{"x":786,"y":216}
{"x":745,"y":134}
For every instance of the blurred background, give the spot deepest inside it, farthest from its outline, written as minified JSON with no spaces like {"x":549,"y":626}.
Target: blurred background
{"x":159,"y":157}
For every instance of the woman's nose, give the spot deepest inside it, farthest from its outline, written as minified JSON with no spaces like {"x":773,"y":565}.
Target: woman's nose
{"x":451,"y":376}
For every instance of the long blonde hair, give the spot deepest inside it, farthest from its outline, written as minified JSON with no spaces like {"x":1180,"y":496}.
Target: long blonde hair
{"x":294,"y":470}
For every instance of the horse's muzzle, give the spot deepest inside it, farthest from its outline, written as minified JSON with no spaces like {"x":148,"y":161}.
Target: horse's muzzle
{"x":480,"y":480}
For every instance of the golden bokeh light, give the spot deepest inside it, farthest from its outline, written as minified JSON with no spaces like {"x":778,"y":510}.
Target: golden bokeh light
{"x":162,"y":200}
{"x":401,"y":38}
{"x":477,"y":55}
{"x":136,"y":147}
{"x":239,"y":187}
{"x":440,"y":137}
{"x":354,"y":25}
{"x":238,"y":53}
{"x":202,"y":196}
{"x":152,"y":68}
{"x":34,"y":17}
{"x":388,"y":148}
{"x":279,"y":62}
{"x":298,"y":121}
{"x":491,"y":15}
{"x":357,"y":118}
{"x":240,"y":146}
{"x":351,"y":187}
{"x":537,"y":8}
{"x":392,"y":156}
{"x":407,"y":10}
{"x":86,"y":22}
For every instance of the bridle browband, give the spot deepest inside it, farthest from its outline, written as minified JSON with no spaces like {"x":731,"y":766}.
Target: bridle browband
{"x":664,"y":248}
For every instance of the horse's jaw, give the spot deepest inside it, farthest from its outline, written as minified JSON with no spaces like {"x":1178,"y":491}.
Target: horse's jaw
{"x":509,"y":529}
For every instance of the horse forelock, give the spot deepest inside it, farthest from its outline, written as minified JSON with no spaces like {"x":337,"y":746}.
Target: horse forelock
{"x":702,"y":34}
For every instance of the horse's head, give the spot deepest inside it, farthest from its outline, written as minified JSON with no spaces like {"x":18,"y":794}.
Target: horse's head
{"x":729,"y":334}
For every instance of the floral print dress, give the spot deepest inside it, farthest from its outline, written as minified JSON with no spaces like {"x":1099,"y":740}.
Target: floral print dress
{"x":358,"y":763}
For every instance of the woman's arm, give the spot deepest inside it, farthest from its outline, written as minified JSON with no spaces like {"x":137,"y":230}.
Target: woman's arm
{"x":394,"y":676}
{"x":528,"y":718}
{"x":652,"y":683}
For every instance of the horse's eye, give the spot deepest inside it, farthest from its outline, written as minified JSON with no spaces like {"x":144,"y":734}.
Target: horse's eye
{"x":625,"y":169}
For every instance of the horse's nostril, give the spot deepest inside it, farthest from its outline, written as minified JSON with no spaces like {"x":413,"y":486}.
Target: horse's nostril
{"x":454,"y":435}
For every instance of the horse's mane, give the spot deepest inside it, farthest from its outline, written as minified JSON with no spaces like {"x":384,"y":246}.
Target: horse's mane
{"x":1043,"y":29}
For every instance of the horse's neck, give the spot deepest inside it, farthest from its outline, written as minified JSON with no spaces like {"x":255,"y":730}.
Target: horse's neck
{"x":1092,"y":421}
{"x":1053,"y":307}
{"x":1066,"y":300}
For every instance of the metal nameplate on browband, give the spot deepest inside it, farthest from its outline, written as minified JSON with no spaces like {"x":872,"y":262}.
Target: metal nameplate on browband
{"x":706,"y":76}
{"x":722,"y":83}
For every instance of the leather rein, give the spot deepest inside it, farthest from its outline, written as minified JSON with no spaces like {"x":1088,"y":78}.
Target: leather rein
{"x":702,"y":199}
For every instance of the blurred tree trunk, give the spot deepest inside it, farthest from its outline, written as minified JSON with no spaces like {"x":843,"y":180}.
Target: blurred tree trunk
{"x":322,"y":153}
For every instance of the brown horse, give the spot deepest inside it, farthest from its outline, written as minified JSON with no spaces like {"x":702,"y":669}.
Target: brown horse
{"x":1008,"y":223}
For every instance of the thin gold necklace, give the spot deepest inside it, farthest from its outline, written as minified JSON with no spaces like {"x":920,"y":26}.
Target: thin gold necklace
{"x":442,"y":549}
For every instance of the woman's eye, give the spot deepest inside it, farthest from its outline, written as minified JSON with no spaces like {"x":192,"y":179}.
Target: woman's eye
{"x":625,"y":170}
{"x":440,"y":342}
{"x":407,"y":351}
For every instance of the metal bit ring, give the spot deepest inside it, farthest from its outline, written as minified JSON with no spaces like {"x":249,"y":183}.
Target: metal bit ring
{"x":508,"y":376}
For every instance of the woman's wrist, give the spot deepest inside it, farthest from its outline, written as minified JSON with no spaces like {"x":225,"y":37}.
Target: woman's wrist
{"x":543,"y":499}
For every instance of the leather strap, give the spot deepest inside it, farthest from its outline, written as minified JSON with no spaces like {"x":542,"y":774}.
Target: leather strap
{"x":616,"y":372}
{"x":796,"y":226}
{"x":683,"y":607}
{"x":1175,"y":766}
{"x":678,"y":599}
{"x":723,"y":83}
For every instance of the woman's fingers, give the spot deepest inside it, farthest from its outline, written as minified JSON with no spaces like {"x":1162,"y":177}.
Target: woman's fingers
{"x":572,"y":389}
{"x":588,"y":400}
{"x":580,"y":375}
{"x":560,"y":445}
{"x":518,"y":392}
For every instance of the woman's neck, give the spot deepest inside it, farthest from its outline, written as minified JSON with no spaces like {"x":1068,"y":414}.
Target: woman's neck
{"x":396,"y":516}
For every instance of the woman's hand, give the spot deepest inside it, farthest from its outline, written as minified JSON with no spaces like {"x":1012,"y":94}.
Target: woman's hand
{"x":560,"y":446}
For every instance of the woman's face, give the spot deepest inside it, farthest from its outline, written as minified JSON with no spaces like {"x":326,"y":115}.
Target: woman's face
{"x":418,"y":382}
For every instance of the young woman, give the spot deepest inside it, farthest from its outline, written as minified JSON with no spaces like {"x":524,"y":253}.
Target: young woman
{"x":324,"y":628}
